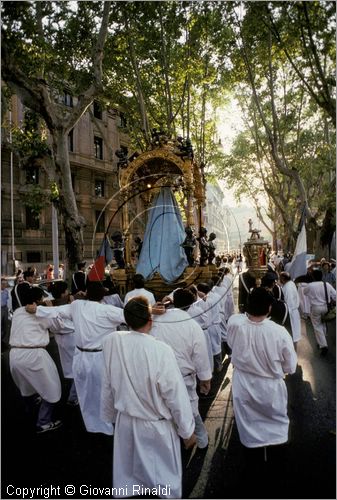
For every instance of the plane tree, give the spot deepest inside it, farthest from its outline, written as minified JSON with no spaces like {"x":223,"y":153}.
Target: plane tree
{"x":51,"y":50}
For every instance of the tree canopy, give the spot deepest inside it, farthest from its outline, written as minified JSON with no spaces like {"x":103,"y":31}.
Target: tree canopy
{"x":172,"y":66}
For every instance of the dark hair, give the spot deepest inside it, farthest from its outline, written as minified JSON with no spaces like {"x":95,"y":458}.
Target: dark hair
{"x":28,"y":274}
{"x":259,"y":301}
{"x":81,"y":265}
{"x":193,"y":288}
{"x":183,"y":298}
{"x":138,"y":281}
{"x":317,"y":275}
{"x":109,"y":284}
{"x":57,"y":288}
{"x":203,"y":287}
{"x":137,"y":312}
{"x":95,"y":291}
{"x":35,"y":294}
{"x":286,"y":276}
{"x":267,"y":281}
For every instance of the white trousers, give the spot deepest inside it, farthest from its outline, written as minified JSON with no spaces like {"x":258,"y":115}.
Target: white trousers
{"x":318,"y":326}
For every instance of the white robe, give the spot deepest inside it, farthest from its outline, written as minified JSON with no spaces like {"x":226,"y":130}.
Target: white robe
{"x":292,"y":300}
{"x":144,"y":394}
{"x":92,"y":322}
{"x":113,"y":300}
{"x":304,"y":301}
{"x":225,"y":289}
{"x":262,"y":353}
{"x":65,"y":340}
{"x":33,"y":370}
{"x":198,"y":312}
{"x":177,"y":329}
{"x":213,"y":306}
{"x":140,"y":292}
{"x":222,"y":294}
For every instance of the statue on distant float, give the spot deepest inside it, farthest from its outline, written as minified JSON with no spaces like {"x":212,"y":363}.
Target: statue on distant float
{"x":118,"y":248}
{"x":139,"y":244}
{"x":255,"y":233}
{"x":189,"y":245}
{"x":211,"y":248}
{"x":184,"y":148}
{"x":158,"y":138}
{"x":122,"y":155}
{"x":203,"y":246}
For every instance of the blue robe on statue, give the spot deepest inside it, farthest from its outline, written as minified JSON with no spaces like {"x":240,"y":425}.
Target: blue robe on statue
{"x":161,"y":251}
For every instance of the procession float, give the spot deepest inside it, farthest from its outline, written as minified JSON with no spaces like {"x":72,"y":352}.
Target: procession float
{"x":170,"y":186}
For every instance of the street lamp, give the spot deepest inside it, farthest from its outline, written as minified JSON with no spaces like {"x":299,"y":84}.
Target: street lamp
{"x":55,"y":240}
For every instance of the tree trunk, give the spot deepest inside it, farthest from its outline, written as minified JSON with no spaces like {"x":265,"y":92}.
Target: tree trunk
{"x":73,"y":222}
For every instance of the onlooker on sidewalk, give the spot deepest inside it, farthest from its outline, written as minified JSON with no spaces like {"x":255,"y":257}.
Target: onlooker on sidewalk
{"x":5,"y":298}
{"x":315,"y":292}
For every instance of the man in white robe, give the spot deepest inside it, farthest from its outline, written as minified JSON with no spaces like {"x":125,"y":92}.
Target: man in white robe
{"x":292,"y":299}
{"x":139,"y":283}
{"x":32,"y":368}
{"x":213,"y":305}
{"x":315,"y":292}
{"x":262,"y":353}
{"x":64,"y":338}
{"x":225,"y":289}
{"x":227,"y":284}
{"x":198,"y":311}
{"x":177,"y":329}
{"x":92,"y":322}
{"x":144,"y":395}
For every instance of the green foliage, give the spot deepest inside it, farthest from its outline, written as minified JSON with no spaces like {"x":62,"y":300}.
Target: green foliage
{"x":29,"y":141}
{"x":54,"y":192}
{"x":171,"y":65}
{"x":35,"y":198}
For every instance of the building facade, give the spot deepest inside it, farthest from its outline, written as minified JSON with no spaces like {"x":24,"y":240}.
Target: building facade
{"x":27,"y":240}
{"x":216,"y":217}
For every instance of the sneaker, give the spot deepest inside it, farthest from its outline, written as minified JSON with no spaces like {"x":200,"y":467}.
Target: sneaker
{"x":49,"y":427}
{"x":73,"y":403}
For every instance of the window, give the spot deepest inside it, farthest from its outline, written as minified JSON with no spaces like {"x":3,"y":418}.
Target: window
{"x":97,"y":110}
{"x":71,"y":141}
{"x":73,"y":181}
{"x":100,"y":221}
{"x":32,"y":175}
{"x":98,"y":142}
{"x":33,"y":257}
{"x":68,"y":99}
{"x":32,"y":222}
{"x":99,"y":188}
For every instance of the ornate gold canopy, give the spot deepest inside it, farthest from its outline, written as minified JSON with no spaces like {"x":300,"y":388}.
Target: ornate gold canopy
{"x":167,"y":165}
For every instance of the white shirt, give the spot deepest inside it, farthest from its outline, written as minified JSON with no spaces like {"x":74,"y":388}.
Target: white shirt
{"x":144,"y":394}
{"x":316,"y":293}
{"x":291,"y":296}
{"x":264,"y":349}
{"x":140,"y":292}
{"x":177,"y":329}
{"x":29,"y":330}
{"x":142,"y":379}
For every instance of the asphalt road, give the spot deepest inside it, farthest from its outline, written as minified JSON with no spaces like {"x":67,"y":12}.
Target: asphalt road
{"x":305,"y":468}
